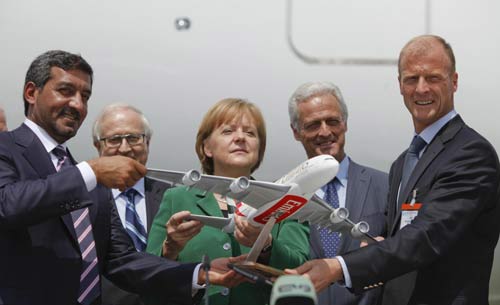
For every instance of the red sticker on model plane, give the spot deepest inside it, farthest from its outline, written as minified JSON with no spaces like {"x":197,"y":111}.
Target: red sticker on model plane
{"x":288,"y":205}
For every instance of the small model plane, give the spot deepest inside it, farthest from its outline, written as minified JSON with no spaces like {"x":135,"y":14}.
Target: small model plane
{"x":266,"y":203}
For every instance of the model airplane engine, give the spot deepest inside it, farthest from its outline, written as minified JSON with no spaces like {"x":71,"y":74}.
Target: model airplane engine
{"x":359,"y":230}
{"x":239,"y":185}
{"x":191,"y":178}
{"x":339,"y":215}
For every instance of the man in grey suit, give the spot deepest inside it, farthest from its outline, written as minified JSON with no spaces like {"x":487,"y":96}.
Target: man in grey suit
{"x":318,"y":118}
{"x":124,"y":130}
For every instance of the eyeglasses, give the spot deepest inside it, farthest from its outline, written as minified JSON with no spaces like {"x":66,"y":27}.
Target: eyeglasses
{"x":117,"y":140}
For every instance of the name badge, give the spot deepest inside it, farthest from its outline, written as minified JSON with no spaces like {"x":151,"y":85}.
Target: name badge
{"x":409,"y":211}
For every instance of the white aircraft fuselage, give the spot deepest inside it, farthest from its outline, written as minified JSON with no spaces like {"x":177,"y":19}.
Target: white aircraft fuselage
{"x":304,"y":181}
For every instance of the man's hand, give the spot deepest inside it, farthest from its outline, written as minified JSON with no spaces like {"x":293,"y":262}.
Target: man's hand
{"x":245,"y":233}
{"x":117,"y":171}
{"x":220,"y":274}
{"x":364,"y":243}
{"x":179,"y":232}
{"x":321,"y":272}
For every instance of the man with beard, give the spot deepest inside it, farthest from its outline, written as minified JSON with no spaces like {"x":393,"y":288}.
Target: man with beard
{"x":59,"y":229}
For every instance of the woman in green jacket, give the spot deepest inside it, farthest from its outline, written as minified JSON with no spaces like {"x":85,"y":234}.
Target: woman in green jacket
{"x":231,"y":141}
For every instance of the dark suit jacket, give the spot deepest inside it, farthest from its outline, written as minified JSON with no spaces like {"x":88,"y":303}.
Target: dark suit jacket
{"x":40,"y":259}
{"x":366,"y":199}
{"x":112,"y":294}
{"x":451,"y":242}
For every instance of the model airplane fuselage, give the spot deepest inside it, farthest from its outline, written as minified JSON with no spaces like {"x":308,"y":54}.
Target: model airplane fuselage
{"x":304,"y":181}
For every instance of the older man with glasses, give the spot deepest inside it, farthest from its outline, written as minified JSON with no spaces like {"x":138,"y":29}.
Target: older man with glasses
{"x":124,"y":130}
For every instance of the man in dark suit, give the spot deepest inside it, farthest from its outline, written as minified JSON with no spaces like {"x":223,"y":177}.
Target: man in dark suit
{"x":124,"y":130}
{"x":443,"y":219}
{"x":59,"y":231}
{"x":318,"y":118}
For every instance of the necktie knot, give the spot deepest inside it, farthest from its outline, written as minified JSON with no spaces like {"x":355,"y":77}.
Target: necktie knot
{"x":62,"y":156}
{"x":130,"y":194}
{"x":60,"y":152}
{"x":417,"y":144}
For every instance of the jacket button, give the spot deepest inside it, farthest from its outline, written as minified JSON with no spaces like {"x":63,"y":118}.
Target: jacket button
{"x":226,"y":246}
{"x":224,"y":291}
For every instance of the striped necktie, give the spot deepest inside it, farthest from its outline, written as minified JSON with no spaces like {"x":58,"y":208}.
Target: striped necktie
{"x":89,"y":288}
{"x":330,"y":240}
{"x":133,"y":223}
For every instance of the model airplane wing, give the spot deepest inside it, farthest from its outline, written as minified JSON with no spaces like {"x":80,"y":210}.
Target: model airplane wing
{"x":253,"y":193}
{"x":320,"y":213}
{"x":216,"y":222}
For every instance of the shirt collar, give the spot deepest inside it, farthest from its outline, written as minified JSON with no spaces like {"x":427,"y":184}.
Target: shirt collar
{"x":431,"y":131}
{"x":47,"y":141}
{"x":139,"y":187}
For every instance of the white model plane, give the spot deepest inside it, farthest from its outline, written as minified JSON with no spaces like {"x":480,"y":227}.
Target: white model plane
{"x":265,"y":203}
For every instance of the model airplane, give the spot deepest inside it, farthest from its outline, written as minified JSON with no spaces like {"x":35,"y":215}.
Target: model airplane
{"x":292,"y":196}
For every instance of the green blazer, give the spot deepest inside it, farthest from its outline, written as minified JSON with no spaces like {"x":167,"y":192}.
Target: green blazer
{"x":290,"y":244}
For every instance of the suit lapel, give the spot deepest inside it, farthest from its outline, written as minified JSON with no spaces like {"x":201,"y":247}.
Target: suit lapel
{"x":34,"y":151}
{"x":357,"y":188}
{"x":154,"y":195}
{"x":39,"y":159}
{"x":396,"y":173}
{"x":207,"y":204}
{"x":433,"y":150}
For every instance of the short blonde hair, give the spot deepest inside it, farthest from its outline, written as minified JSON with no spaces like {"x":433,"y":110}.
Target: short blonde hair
{"x":225,"y":111}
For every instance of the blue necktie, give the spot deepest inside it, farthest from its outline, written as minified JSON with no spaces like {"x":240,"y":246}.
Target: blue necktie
{"x":411,"y":159}
{"x":89,"y":275}
{"x":330,"y":240}
{"x":133,"y":223}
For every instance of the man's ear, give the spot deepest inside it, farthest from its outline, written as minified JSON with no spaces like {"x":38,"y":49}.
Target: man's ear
{"x":399,"y":84}
{"x":30,"y":93}
{"x":97,"y":145}
{"x":454,"y":79}
{"x":296,"y":134}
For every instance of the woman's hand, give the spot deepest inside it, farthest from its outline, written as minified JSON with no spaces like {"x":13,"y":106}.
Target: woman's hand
{"x":179,"y":232}
{"x":245,"y":233}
